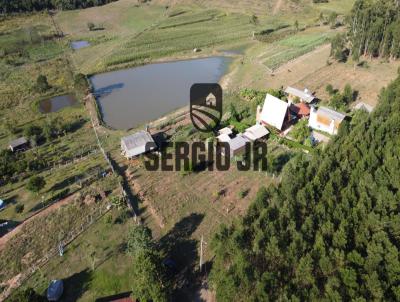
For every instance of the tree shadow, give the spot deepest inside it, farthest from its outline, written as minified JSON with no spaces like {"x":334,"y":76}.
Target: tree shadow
{"x":7,"y":226}
{"x":76,"y":285}
{"x":183,"y":250}
{"x":104,"y":91}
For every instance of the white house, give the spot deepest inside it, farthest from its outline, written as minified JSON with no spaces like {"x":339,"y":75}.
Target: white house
{"x":135,"y":144}
{"x":304,"y":96}
{"x":274,"y":112}
{"x":326,"y":120}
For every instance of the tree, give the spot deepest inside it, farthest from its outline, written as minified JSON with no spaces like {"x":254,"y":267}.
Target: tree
{"x":91,"y":26}
{"x":330,"y":90}
{"x":149,"y":280}
{"x":41,"y":84}
{"x":254,"y":20}
{"x":27,"y":295}
{"x":35,"y":184}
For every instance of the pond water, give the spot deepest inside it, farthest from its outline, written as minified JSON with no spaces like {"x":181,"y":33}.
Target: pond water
{"x":57,"y":103}
{"x":132,"y":97}
{"x":79,"y":44}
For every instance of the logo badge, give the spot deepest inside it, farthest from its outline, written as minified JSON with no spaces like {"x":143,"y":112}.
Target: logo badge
{"x":206,"y":106}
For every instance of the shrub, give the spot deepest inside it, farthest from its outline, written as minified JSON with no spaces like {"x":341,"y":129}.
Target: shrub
{"x":35,"y":184}
{"x":41,"y":83}
{"x":19,"y":208}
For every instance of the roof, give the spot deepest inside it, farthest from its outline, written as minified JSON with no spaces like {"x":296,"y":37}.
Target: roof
{"x":137,"y":139}
{"x":256,"y":132}
{"x":364,"y":106}
{"x":238,"y":142}
{"x":225,"y":130}
{"x":300,"y":93}
{"x":136,"y":144}
{"x":274,"y":111}
{"x":18,"y":142}
{"x":332,"y":114}
{"x":300,"y":109}
{"x":224,"y":137}
{"x":2,"y":204}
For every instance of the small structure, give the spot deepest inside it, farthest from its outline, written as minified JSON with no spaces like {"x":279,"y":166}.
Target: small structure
{"x":304,"y":96}
{"x":236,"y":146}
{"x":274,"y":112}
{"x":2,"y":205}
{"x":364,"y":106}
{"x":55,"y":290}
{"x":137,"y":144}
{"x":19,"y":144}
{"x":225,"y":135}
{"x":326,"y":120}
{"x":211,"y":100}
{"x":301,"y":110}
{"x":255,"y":133}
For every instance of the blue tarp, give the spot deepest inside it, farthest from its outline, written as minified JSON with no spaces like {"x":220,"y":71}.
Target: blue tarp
{"x":2,"y":204}
{"x":55,"y":290}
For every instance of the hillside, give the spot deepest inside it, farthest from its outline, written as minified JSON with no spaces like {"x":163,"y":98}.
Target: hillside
{"x":331,"y":230}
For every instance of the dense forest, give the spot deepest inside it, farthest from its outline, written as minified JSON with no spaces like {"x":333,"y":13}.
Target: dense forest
{"x":7,"y":6}
{"x":375,"y":28}
{"x":331,"y":229}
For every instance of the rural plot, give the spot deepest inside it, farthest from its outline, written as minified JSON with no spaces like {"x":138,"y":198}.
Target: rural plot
{"x":290,"y":48}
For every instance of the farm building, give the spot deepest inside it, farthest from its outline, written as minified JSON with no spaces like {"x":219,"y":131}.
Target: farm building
{"x":237,"y":145}
{"x":19,"y":144}
{"x":135,"y":144}
{"x":303,"y":96}
{"x":364,"y":106}
{"x":274,"y":112}
{"x":301,"y":110}
{"x":326,"y":120}
{"x":255,"y":133}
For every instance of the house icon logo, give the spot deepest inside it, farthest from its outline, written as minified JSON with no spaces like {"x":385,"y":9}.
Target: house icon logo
{"x":206,"y":106}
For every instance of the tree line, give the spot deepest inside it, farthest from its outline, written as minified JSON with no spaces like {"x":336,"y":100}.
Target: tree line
{"x":374,"y":30}
{"x":331,"y":229}
{"x":17,"y":6}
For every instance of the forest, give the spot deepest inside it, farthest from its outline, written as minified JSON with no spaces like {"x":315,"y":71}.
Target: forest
{"x":375,"y":28}
{"x":331,"y":229}
{"x":16,"y":6}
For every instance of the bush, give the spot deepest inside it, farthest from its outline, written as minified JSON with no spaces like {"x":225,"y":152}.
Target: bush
{"x":19,"y":208}
{"x":41,"y":84}
{"x":35,"y":184}
{"x":91,"y":26}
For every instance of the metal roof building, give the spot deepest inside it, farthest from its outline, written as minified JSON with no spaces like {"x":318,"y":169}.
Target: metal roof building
{"x":236,"y":145}
{"x":19,"y":143}
{"x":255,"y":132}
{"x":135,"y":144}
{"x":304,"y":96}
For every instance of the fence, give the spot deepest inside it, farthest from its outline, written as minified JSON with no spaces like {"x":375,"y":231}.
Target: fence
{"x":71,"y":236}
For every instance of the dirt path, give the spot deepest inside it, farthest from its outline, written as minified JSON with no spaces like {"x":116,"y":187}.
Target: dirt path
{"x":46,"y":211}
{"x":277,"y":7}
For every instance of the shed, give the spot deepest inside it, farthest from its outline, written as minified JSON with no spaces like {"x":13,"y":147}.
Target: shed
{"x":223,"y":138}
{"x":225,"y":130}
{"x":135,"y":144}
{"x":301,"y":110}
{"x":364,"y":106}
{"x":236,"y":145}
{"x":303,"y":95}
{"x":274,"y":112}
{"x":256,"y":132}
{"x":19,"y":144}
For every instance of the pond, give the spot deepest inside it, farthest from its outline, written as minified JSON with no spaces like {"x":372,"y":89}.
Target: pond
{"x":79,"y":44}
{"x":57,"y":103}
{"x":132,"y":97}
